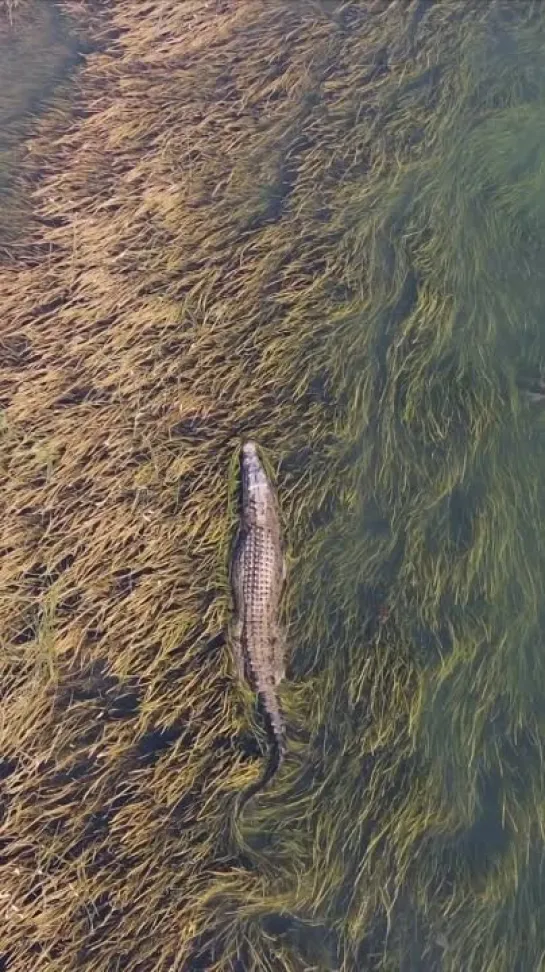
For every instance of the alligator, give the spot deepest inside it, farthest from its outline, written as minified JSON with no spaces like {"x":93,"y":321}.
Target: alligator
{"x":258,"y":572}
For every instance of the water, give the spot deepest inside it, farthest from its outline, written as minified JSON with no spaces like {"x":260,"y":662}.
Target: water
{"x":434,"y":564}
{"x":388,"y":295}
{"x":38,"y":55}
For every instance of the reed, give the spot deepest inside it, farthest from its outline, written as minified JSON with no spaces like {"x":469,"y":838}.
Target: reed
{"x":318,"y":224}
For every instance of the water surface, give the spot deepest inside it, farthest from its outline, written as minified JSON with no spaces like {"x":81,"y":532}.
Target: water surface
{"x":355,"y":276}
{"x":38,"y":54}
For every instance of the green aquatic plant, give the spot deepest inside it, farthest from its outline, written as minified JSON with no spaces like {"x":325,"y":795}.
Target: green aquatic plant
{"x":317,"y":224}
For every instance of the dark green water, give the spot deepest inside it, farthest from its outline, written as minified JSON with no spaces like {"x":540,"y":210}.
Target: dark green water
{"x":429,"y":641}
{"x":434,"y":565}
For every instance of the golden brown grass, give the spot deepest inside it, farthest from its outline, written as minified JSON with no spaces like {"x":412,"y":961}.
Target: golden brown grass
{"x":248,"y":222}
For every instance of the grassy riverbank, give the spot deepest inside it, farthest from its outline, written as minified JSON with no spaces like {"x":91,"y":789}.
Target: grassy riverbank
{"x":319,"y":224}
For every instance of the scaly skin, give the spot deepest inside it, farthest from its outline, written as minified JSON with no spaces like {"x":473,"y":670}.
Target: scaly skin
{"x":257,"y":577}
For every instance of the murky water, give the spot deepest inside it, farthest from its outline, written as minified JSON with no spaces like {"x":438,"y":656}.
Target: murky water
{"x":459,"y":484}
{"x":418,"y":600}
{"x":435,"y":563}
{"x":38,"y":54}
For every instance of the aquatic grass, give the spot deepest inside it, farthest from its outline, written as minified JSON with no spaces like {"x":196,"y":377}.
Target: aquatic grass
{"x":38,"y":55}
{"x":292,"y":223}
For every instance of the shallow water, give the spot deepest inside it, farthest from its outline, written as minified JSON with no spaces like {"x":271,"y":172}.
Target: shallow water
{"x":437,"y":548}
{"x":417,"y":602}
{"x":38,"y":54}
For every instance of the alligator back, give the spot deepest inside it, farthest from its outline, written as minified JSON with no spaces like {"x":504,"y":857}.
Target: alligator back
{"x":257,"y":576}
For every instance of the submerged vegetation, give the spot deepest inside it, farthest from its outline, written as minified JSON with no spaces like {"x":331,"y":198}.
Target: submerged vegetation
{"x":320,"y":224}
{"x":38,"y":55}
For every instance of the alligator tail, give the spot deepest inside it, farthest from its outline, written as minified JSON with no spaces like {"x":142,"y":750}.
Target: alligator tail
{"x":277,"y":753}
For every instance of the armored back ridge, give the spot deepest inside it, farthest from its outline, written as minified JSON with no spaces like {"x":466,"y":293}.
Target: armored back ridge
{"x":257,"y":577}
